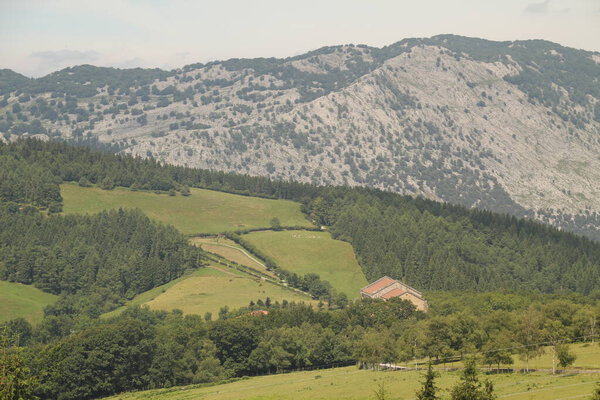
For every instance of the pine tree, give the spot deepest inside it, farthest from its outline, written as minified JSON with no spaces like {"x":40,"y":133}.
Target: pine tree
{"x":470,"y":388}
{"x":429,"y":389}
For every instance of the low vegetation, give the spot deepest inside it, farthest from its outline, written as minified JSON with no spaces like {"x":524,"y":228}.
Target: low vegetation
{"x":179,"y":349}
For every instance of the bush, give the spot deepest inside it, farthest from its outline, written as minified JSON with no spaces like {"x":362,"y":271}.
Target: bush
{"x":84,"y":182}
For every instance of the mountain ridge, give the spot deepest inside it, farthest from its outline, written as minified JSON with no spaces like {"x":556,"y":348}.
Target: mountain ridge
{"x":508,"y":126}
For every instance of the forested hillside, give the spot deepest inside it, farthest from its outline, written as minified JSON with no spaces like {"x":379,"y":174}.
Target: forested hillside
{"x":95,"y":262}
{"x":549,"y":279}
{"x":506,"y":126}
{"x":143,"y":349}
{"x":428,"y":244}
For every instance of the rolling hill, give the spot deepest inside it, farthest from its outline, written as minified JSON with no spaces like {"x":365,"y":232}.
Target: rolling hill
{"x":209,"y":290}
{"x":543,"y":282}
{"x":204,"y":211}
{"x":506,"y":126}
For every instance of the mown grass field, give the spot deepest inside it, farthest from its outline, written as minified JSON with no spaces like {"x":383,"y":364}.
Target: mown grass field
{"x":354,"y":384}
{"x":307,"y":251}
{"x":209,"y":289}
{"x":201,"y":294}
{"x":149,"y":295}
{"x":588,"y":357}
{"x":23,"y":301}
{"x":205,"y":211}
{"x":231,"y":251}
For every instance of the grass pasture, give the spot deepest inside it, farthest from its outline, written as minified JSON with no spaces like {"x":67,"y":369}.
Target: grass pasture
{"x":149,"y":295}
{"x":205,"y":211}
{"x":23,"y":301}
{"x":209,"y":289}
{"x":307,"y":251}
{"x":353,"y":384}
{"x":201,"y":294}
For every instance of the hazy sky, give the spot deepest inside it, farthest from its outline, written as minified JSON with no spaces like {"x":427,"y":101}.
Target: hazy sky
{"x":40,"y":36}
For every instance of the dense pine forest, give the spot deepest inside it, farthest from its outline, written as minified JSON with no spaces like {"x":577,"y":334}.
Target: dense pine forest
{"x":545,"y":282}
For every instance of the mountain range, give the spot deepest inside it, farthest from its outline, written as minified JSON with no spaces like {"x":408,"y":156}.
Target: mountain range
{"x":513,"y":127}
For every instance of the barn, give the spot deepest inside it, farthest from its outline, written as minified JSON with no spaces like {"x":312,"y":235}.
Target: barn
{"x":386,"y":288}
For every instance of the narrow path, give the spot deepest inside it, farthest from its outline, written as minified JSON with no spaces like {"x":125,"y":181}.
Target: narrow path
{"x":222,"y":270}
{"x":238,"y":249}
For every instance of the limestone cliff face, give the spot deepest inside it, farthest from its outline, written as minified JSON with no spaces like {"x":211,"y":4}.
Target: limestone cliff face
{"x":513,"y":127}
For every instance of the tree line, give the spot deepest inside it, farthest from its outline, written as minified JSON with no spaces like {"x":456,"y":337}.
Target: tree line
{"x":144,"y":349}
{"x":101,"y":259}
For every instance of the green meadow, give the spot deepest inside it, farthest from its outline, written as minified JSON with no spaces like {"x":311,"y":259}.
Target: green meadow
{"x":209,"y":289}
{"x":307,"y":251}
{"x":23,"y":301}
{"x":205,"y":211}
{"x":350,"y":383}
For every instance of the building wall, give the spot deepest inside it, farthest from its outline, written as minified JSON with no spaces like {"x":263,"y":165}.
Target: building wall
{"x":420,"y":303}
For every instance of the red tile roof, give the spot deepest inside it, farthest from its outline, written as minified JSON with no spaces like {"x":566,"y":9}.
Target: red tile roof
{"x":394,"y":293}
{"x":378,"y":285}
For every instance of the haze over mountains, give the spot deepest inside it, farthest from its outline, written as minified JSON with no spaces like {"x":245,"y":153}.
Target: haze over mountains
{"x":508,"y":126}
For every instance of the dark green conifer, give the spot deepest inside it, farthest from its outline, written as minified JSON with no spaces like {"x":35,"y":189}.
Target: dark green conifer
{"x":429,"y":390}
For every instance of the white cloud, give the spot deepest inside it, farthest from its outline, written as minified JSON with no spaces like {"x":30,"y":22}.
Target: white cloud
{"x":538,"y":8}
{"x":61,"y":56}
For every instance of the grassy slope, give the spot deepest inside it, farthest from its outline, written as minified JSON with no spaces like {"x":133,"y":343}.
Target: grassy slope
{"x":231,"y":251}
{"x":198,"y":295}
{"x":205,"y":211}
{"x":305,"y":251}
{"x":18,"y":300}
{"x":353,"y":384}
{"x":147,"y":296}
{"x":209,"y":289}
